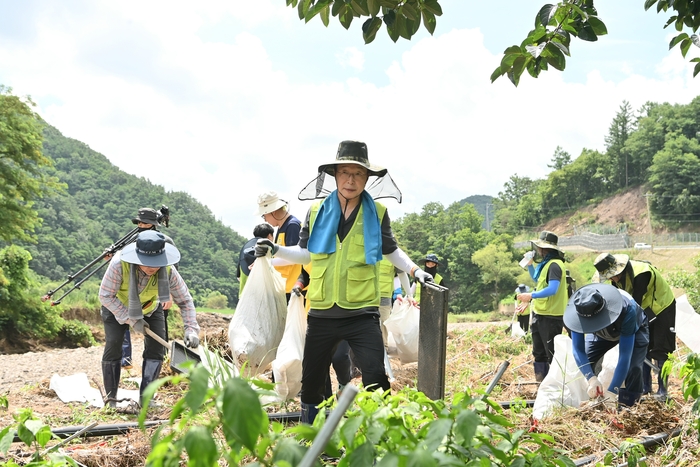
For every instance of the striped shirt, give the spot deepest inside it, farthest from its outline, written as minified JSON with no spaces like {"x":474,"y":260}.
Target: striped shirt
{"x":112,"y":280}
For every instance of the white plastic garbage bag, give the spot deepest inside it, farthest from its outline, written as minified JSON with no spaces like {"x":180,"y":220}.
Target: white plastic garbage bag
{"x":403,"y":324}
{"x":687,"y":323}
{"x":516,"y":330}
{"x":257,"y":326}
{"x":565,"y":385}
{"x":287,"y":364}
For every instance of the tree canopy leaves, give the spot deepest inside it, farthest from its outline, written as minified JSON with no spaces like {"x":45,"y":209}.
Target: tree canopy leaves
{"x":22,"y":180}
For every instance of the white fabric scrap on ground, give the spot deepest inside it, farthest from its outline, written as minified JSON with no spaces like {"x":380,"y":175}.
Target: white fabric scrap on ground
{"x":76,"y":388}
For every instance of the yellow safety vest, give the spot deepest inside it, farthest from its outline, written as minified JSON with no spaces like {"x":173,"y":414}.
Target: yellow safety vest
{"x":343,"y":277}
{"x":437,"y":279}
{"x":553,"y":305}
{"x":659,"y":295}
{"x":386,"y":278}
{"x":149,"y":294}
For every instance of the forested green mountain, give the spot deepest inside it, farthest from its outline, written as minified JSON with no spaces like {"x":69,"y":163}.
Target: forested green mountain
{"x":97,"y":208}
{"x":483,"y":205}
{"x":656,"y":146}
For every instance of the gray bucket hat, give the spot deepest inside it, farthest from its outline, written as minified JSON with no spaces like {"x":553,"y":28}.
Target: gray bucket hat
{"x":151,"y":250}
{"x":593,"y":307}
{"x":352,"y":152}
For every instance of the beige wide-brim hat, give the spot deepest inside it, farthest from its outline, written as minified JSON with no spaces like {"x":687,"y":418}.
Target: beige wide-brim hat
{"x":352,"y":152}
{"x":269,"y":202}
{"x":547,"y":240}
{"x":609,"y":266}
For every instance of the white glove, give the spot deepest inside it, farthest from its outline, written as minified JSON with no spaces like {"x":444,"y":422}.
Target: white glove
{"x":191,"y":339}
{"x":422,"y":276}
{"x":595,"y":388}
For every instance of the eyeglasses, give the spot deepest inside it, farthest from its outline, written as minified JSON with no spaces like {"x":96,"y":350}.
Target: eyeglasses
{"x":354,"y":175}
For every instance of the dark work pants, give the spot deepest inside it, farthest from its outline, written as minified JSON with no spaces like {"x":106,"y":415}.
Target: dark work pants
{"x":364,"y":336}
{"x":544,"y":328}
{"x":342,"y":364}
{"x":596,"y":348}
{"x":114,"y":336}
{"x":524,"y":321}
{"x":662,"y":335}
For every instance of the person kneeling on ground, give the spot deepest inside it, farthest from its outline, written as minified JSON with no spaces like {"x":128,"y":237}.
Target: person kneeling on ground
{"x":613,"y":317}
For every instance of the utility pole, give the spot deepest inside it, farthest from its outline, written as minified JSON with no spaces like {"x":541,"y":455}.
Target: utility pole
{"x":488,"y":224}
{"x":647,"y":195}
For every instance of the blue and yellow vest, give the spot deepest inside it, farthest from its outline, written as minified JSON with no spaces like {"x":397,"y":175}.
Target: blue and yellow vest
{"x":343,"y":277}
{"x":553,"y":305}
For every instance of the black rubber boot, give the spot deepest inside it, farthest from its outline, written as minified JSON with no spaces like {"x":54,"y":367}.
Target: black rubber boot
{"x":627,"y":398}
{"x":150,"y":372}
{"x":111,"y":372}
{"x":646,"y":379}
{"x":663,"y":383}
{"x":541,"y":370}
{"x":308,"y":413}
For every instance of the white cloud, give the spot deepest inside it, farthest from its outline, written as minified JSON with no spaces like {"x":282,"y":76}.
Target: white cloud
{"x":350,"y":57}
{"x":224,"y":122}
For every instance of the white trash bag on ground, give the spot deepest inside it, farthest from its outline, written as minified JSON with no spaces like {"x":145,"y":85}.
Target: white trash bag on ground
{"x":287,"y":364}
{"x":257,"y":326}
{"x":564,"y":384}
{"x":403,"y":324}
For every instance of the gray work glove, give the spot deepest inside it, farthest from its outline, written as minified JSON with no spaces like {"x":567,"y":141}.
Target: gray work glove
{"x":422,"y":276}
{"x":191,"y":339}
{"x":263,"y":246}
{"x":297,"y":289}
{"x":140,"y":325}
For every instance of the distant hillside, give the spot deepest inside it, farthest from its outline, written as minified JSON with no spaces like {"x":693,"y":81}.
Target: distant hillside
{"x":482,"y":203}
{"x":97,"y":210}
{"x":624,"y":212}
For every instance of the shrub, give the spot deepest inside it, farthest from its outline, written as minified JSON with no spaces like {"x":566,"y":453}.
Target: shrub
{"x":77,"y":333}
{"x":216,"y":300}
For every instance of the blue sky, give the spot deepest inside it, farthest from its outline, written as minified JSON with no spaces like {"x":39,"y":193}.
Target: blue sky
{"x":227,"y":99}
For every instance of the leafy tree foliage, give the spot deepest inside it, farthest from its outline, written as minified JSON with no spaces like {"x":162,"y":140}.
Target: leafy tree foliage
{"x":560,"y":159}
{"x":548,"y":44}
{"x":402,"y":18}
{"x":498,"y":266}
{"x":658,"y":146}
{"x":620,"y":129}
{"x":453,"y":234}
{"x":20,"y":312}
{"x":97,"y":210}
{"x":22,"y":180}
{"x":674,"y":180}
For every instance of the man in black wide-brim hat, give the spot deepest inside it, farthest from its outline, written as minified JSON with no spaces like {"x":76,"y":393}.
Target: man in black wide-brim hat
{"x":613,"y":317}
{"x":344,"y":237}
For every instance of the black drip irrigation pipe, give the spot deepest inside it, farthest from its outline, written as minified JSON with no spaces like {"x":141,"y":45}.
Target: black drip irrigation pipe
{"x":647,"y":442}
{"x":123,"y":428}
{"x":99,"y":430}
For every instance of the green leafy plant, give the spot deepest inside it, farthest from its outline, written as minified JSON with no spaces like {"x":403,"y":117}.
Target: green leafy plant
{"x":35,"y":434}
